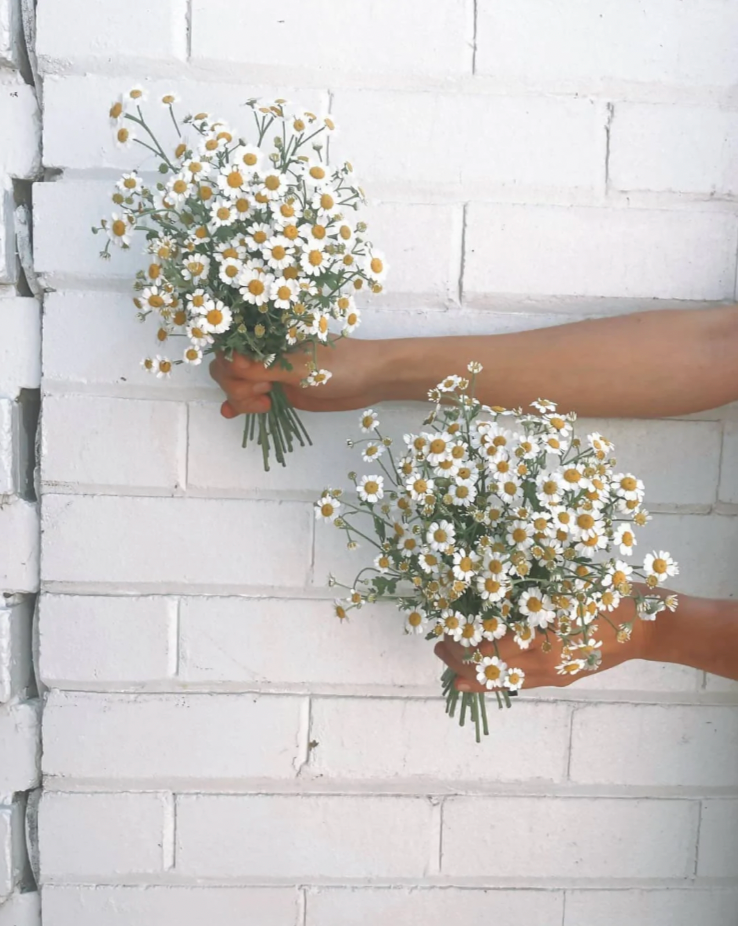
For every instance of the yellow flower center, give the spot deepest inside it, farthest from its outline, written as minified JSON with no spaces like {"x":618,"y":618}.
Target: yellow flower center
{"x":420,"y":486}
{"x":315,"y":258}
{"x":660,"y":566}
{"x":415,"y":619}
{"x":272,"y":182}
{"x":287,"y":210}
{"x":116,"y":110}
{"x":278,"y":252}
{"x":535,"y":605}
{"x":465,"y":564}
{"x":585,"y":521}
{"x":234,"y":180}
{"x":317,"y":173}
{"x":192,"y":353}
{"x":318,"y":231}
{"x":206,"y":193}
{"x":557,"y":423}
{"x":628,"y":483}
{"x":165,"y":366}
{"x":291,"y":232}
{"x":119,"y":228}
{"x":284,"y":293}
{"x":161,"y":334}
{"x":376,"y":265}
{"x":492,"y":586}
{"x":451,"y":622}
{"x":519,"y":534}
{"x":627,"y":539}
{"x":327,"y":509}
{"x":179,"y":186}
{"x":223,"y":213}
{"x":195,"y":267}
{"x":249,"y":159}
{"x":510,"y":488}
{"x":572,"y":475}
{"x":255,"y":287}
{"x":214,"y":316}
{"x":345,"y":232}
{"x":327,"y":201}
{"x":492,"y":673}
{"x":440,"y":536}
{"x":231,"y":271}
{"x":468,"y":632}
{"x":155,"y":301}
{"x":462,"y":491}
{"x":371,"y":487}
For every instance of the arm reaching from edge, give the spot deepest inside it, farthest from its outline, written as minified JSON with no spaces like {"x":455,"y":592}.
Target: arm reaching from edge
{"x":644,"y":365}
{"x":701,"y":633}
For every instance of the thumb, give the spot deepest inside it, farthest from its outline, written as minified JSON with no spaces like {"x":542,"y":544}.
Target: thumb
{"x":254,"y":371}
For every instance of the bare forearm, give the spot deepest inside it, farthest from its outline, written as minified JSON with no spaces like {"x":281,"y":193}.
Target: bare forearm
{"x":702,"y":633}
{"x":649,"y":364}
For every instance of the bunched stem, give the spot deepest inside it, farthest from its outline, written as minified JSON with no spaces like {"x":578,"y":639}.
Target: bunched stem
{"x":276,"y":429}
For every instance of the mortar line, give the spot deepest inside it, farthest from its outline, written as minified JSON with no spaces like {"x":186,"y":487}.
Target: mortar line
{"x":303,"y":735}
{"x":569,"y":747}
{"x":169,"y":832}
{"x":475,"y":18}
{"x":301,"y":905}
{"x":186,"y":462}
{"x":563,"y":908}
{"x":462,"y":267}
{"x":188,"y":29}
{"x":174,"y":639}
{"x":701,"y":805}
{"x":610,"y":115}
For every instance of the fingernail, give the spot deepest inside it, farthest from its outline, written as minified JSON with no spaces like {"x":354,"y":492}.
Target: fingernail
{"x":261,"y":388}
{"x":463,"y":686}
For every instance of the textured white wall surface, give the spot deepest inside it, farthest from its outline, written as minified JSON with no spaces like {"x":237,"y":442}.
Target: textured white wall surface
{"x":216,"y":748}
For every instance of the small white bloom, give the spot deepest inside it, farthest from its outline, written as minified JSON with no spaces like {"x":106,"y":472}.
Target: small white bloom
{"x":369,"y":421}
{"x":372,"y":451}
{"x":118,"y":229}
{"x":624,"y":538}
{"x":416,"y":620}
{"x":469,"y":632}
{"x":525,"y":636}
{"x":192,"y":355}
{"x":371,"y":488}
{"x":278,"y":252}
{"x":230,"y":271}
{"x":198,"y":335}
{"x":284,"y":292}
{"x":222,"y":214}
{"x":257,"y":236}
{"x":463,"y":493}
{"x":216,"y":318}
{"x":474,"y":367}
{"x":491,"y":672}
{"x":441,"y":536}
{"x":129,"y":184}
{"x":514,"y":679}
{"x":661,"y":565}
{"x":248,"y":158}
{"x":195,"y":267}
{"x":233,"y":179}
{"x":318,"y":377}
{"x":255,"y":286}
{"x":272,"y":184}
{"x":162,"y":367}
{"x":419,"y":486}
{"x":326,"y":508}
{"x":375,"y":266}
{"x":465,"y":564}
{"x":628,"y":487}
{"x":537,"y":607}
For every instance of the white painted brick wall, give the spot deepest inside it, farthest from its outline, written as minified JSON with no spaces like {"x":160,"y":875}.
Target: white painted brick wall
{"x":217,"y":748}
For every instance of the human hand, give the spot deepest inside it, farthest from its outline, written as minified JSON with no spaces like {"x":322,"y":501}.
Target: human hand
{"x":358,"y":379}
{"x":538,"y":665}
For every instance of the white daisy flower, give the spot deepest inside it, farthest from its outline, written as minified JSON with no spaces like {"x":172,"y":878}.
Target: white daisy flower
{"x":217,"y":317}
{"x":326,"y":508}
{"x":372,"y":451}
{"x":554,"y":444}
{"x":449,"y":384}
{"x":255,"y":287}
{"x":520,"y":535}
{"x":572,"y":667}
{"x":318,"y":323}
{"x":438,"y":447}
{"x":416,"y":620}
{"x":493,"y":628}
{"x":587,"y":524}
{"x":469,"y":633}
{"x":162,"y":367}
{"x":179,"y":189}
{"x":222,"y":214}
{"x":465,"y":566}
{"x":284,"y":292}
{"x":549,"y":488}
{"x":230,"y":271}
{"x":233,"y":179}
{"x":315,"y":174}
{"x":169,"y":99}
{"x":573,"y":478}
{"x":129,"y":184}
{"x":624,"y":539}
{"x":272,"y":184}
{"x":601,"y":445}
{"x":441,"y":536}
{"x":195,"y":267}
{"x":257,"y":236}
{"x":661,"y":565}
{"x":369,"y":421}
{"x":382,"y":562}
{"x":375,"y":266}
{"x":118,"y":229}
{"x":286,"y":214}
{"x":628,"y":487}
{"x":198,"y":335}
{"x":510,"y":489}
{"x":561,"y":426}
{"x":514,"y":679}
{"x":419,"y":486}
{"x":248,"y":158}
{"x":314,"y":260}
{"x":324,"y":202}
{"x":537,"y":607}
{"x":137,"y":94}
{"x":430,"y":562}
{"x":491,"y":672}
{"x":524,"y":636}
{"x":463,"y":493}
{"x":318,"y":377}
{"x":408,"y":545}
{"x":192,"y":355}
{"x":154,"y":297}
{"x":474,"y":367}
{"x":278,"y":252}
{"x":352,"y":319}
{"x":371,"y":488}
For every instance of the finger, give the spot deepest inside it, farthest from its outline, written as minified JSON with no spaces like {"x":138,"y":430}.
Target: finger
{"x":243,"y":368}
{"x":446,"y":651}
{"x":254,"y":406}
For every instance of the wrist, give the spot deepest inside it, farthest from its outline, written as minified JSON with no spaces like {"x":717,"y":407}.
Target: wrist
{"x":401,"y":375}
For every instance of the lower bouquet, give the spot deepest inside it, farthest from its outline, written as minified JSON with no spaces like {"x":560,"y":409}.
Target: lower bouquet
{"x":493,"y":523}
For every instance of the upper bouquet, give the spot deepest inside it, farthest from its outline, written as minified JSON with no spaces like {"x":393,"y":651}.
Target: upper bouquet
{"x":494,"y":523}
{"x":252,"y":250}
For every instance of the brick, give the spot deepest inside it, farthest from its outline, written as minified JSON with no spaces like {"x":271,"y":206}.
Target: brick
{"x":686,"y":149}
{"x":678,"y":461}
{"x":77,"y":252}
{"x":361,"y":738}
{"x":18,"y":546}
{"x":20,"y":354}
{"x":153,"y":32}
{"x":19,"y":746}
{"x":16,"y":669}
{"x":85,"y":534}
{"x":85,"y":102}
{"x":11,"y":849}
{"x":155,"y":738}
{"x":641,"y":675}
{"x":718,"y":847}
{"x":21,"y":121}
{"x":8,"y":264}
{"x":8,"y":30}
{"x":86,"y":640}
{"x":7,"y":461}
{"x":569,"y":837}
{"x":109,"y":347}
{"x":666,"y":745}
{"x":381,"y":38}
{"x":302,"y":836}
{"x":650,"y":253}
{"x":728,"y":490}
{"x":21,"y":910}
{"x":155,"y":906}
{"x":671,"y":907}
{"x":100,"y":836}
{"x":432,"y":906}
{"x":576,"y":42}
{"x":106,"y":431}
{"x":471,"y":146}
{"x":241,"y":640}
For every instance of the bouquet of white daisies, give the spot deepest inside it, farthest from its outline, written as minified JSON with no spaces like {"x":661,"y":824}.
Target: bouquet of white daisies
{"x":494,"y":522}
{"x":253,"y":245}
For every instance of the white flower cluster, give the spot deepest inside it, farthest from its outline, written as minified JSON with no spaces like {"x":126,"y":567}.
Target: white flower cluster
{"x":253,"y":246}
{"x":496,"y":522}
